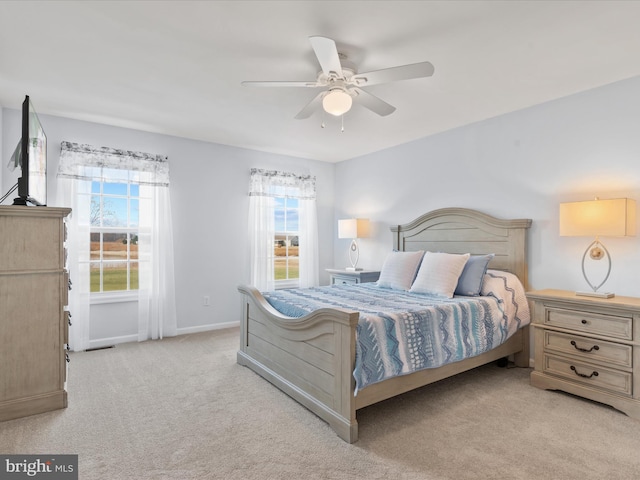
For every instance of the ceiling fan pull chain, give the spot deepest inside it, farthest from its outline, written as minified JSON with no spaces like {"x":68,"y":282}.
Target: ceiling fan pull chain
{"x":342,"y":118}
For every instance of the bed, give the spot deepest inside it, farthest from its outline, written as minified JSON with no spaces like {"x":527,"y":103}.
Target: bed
{"x":312,"y":357}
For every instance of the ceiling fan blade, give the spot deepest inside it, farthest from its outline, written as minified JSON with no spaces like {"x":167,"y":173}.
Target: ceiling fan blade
{"x":393,"y":74}
{"x":311,"y":107}
{"x":372,"y":102}
{"x":281,"y":84}
{"x":327,"y":54}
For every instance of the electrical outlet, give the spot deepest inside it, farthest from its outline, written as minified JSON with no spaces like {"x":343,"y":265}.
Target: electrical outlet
{"x":206,"y":300}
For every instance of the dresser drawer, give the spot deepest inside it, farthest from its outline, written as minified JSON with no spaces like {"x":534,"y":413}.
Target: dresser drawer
{"x":31,"y":243}
{"x":594,"y":350}
{"x":590,"y":322}
{"x":589,"y":374}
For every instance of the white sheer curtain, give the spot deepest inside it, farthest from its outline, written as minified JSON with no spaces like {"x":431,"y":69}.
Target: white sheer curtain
{"x":264,"y":187}
{"x":156,"y":297}
{"x":78,"y":245}
{"x":262,"y":232}
{"x":308,"y":252}
{"x":79,"y":166}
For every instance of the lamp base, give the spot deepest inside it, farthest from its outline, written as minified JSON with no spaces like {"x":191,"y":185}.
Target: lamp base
{"x":596,"y":294}
{"x":353,"y":269}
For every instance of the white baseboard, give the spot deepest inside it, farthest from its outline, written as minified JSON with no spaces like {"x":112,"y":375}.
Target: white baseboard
{"x":206,"y":328}
{"x":108,"y":342}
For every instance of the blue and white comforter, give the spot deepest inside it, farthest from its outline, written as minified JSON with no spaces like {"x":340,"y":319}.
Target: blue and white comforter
{"x":401,"y":332}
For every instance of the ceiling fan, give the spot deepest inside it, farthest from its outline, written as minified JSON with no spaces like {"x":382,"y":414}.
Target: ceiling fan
{"x":341,"y":83}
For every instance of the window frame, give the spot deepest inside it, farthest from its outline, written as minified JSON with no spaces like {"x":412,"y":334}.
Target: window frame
{"x":287,"y":282}
{"x":113,"y":296}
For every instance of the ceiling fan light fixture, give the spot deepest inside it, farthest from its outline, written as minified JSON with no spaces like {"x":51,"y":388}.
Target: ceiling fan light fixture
{"x":337,"y":102}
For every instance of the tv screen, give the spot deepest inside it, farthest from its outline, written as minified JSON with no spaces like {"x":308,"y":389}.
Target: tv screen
{"x":31,"y":156}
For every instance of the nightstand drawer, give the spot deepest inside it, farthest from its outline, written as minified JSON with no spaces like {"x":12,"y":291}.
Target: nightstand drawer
{"x":352,"y":277}
{"x":589,"y":374}
{"x":590,"y":322}
{"x":595,"y":350}
{"x":343,"y":280}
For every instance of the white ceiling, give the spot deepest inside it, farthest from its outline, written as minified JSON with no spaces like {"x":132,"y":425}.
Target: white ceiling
{"x":175,"y":67}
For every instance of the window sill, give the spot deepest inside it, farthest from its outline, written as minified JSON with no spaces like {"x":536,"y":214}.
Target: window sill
{"x":113,"y":297}
{"x":280,"y":284}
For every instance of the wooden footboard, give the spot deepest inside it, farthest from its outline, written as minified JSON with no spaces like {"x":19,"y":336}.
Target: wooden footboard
{"x":311,"y":359}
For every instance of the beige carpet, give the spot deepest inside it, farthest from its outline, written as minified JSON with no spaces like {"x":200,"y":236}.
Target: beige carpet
{"x":181,"y":408}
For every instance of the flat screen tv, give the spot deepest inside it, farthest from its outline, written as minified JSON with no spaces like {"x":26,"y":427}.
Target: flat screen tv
{"x":31,"y":156}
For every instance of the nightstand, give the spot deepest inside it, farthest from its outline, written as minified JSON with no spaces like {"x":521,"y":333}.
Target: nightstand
{"x":346,"y":277}
{"x":588,"y":347}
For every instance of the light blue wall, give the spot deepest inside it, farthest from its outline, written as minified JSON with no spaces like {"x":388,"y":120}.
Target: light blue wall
{"x":519,"y":165}
{"x":209,"y":185}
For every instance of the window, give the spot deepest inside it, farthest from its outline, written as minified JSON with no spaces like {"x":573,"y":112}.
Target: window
{"x":119,"y":242}
{"x":282,"y":230}
{"x":114,"y":221}
{"x":286,"y":262}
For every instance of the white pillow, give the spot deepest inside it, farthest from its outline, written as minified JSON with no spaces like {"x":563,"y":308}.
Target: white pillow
{"x":399,"y":270}
{"x":439,"y":273}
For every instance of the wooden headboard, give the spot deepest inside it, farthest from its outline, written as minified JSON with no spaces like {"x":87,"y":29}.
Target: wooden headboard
{"x":462,"y":230}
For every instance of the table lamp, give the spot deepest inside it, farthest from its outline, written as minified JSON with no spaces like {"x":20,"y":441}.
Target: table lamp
{"x":598,"y":218}
{"x":353,"y":228}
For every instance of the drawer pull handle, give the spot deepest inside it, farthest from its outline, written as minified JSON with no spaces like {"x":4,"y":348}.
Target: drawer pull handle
{"x":587,"y":350}
{"x":584,"y":322}
{"x":593,"y":374}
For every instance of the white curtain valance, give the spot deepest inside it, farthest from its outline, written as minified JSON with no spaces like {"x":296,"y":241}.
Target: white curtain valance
{"x":273,"y":183}
{"x":86,"y":162}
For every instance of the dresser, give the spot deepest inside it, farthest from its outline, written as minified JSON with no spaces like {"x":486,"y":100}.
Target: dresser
{"x":33,"y":322}
{"x":347,"y":277}
{"x":588,"y":347}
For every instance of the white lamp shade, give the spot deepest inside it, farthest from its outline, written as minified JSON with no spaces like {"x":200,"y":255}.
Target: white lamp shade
{"x":337,"y":102}
{"x":353,"y":228}
{"x":613,"y":218}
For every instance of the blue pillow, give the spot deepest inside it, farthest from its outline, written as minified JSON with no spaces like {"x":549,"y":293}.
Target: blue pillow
{"x":470,"y":281}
